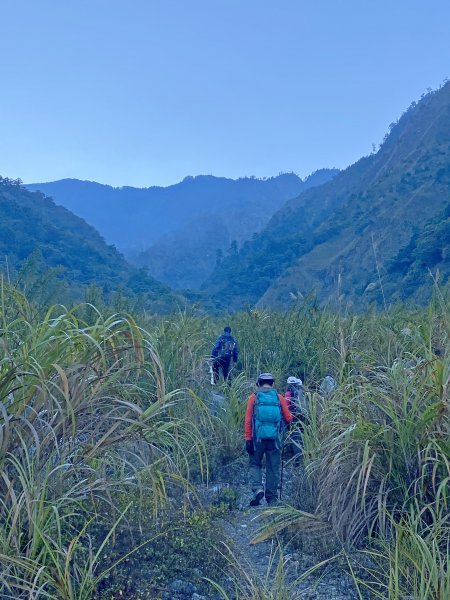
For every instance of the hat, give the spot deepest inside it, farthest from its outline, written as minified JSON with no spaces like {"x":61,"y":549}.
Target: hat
{"x":294,"y":381}
{"x":265,"y":378}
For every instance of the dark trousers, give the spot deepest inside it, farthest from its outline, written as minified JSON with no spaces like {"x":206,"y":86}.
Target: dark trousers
{"x":269,"y":449}
{"x":221,"y":364}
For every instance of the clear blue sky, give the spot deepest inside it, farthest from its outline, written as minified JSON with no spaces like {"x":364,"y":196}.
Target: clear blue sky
{"x":145,"y":92}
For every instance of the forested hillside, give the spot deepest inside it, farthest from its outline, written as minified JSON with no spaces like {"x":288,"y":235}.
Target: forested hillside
{"x":375,"y":233}
{"x":37,"y":236}
{"x":176,"y":231}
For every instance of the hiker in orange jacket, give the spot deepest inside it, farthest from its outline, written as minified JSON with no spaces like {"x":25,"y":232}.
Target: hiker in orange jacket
{"x":266,"y":415}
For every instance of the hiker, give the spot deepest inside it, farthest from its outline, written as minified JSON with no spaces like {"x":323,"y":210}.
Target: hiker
{"x":296,"y":401}
{"x":266,"y":415}
{"x":225,"y":349}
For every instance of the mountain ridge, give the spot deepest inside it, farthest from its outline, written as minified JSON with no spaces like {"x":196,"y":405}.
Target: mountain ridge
{"x":166,"y":229}
{"x":385,"y":196}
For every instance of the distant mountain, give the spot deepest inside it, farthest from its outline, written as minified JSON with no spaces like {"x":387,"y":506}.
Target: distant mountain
{"x":186,"y":257}
{"x":372,"y":234}
{"x":176,"y":231}
{"x":31,"y":224}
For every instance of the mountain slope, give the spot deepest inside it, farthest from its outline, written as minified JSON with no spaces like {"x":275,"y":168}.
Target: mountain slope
{"x":32,"y":223}
{"x":175,"y":231}
{"x":348,"y":233}
{"x":186,"y":257}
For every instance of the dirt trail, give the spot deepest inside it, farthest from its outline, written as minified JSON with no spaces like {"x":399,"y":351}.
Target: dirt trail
{"x":257,"y":563}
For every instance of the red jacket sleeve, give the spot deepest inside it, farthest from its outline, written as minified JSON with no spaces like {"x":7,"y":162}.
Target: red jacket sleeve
{"x":249,"y":417}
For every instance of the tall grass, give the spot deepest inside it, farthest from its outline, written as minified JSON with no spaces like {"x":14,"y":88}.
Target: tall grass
{"x":377,"y":453}
{"x":84,"y":416}
{"x":298,"y":342}
{"x":415,"y":560}
{"x":97,"y":407}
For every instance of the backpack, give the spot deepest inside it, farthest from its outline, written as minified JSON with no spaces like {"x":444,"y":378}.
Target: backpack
{"x":296,"y":402}
{"x":227,"y":346}
{"x":267,"y":416}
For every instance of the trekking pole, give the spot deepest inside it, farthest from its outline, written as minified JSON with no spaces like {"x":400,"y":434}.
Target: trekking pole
{"x":210,"y":363}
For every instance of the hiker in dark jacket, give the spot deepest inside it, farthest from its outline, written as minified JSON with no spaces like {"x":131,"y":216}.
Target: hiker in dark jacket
{"x":225,"y":349}
{"x":267,"y":413}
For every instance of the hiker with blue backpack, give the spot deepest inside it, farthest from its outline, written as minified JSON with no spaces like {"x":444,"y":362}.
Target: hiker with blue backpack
{"x":225,"y":349}
{"x":266,"y":417}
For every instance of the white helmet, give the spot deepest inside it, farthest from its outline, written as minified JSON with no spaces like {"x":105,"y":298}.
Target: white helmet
{"x":294,"y":381}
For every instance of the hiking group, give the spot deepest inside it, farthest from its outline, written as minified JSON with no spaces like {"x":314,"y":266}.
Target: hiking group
{"x":268,"y":416}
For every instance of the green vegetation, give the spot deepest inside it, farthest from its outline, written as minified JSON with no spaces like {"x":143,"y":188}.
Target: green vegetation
{"x":373,"y":234}
{"x":178,"y":547}
{"x":377,"y":456}
{"x":38,"y":239}
{"x":428,"y":251}
{"x":88,"y":431}
{"x":108,"y":435}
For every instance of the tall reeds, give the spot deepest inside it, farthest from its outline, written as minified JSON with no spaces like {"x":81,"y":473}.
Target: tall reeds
{"x":104,"y":415}
{"x":377,"y":454}
{"x":84,"y":417}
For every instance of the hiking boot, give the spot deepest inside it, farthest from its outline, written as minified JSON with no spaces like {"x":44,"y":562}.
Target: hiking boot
{"x":255,"y":501}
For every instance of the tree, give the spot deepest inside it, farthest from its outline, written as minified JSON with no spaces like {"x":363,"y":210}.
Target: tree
{"x":9,"y":181}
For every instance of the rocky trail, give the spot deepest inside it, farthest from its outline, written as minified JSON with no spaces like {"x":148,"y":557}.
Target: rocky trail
{"x":275,"y":567}
{"x":269,"y":570}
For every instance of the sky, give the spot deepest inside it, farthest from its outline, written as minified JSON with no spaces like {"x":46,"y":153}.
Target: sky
{"x":146,"y":92}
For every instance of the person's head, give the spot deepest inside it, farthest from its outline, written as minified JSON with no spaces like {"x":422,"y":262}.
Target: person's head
{"x":295,"y":381}
{"x":227,"y":330}
{"x":265,"y":379}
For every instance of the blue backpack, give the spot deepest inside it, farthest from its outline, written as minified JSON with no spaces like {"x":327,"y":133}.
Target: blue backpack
{"x":267,"y":415}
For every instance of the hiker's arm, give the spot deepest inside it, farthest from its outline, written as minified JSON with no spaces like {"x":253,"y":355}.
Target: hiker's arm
{"x":235,"y":351}
{"x":215,"y":350}
{"x":285,"y":409}
{"x":249,"y":418}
